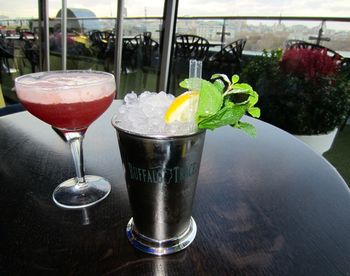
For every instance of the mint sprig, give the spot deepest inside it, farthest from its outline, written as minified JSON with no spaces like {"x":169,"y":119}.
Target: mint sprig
{"x":224,"y":102}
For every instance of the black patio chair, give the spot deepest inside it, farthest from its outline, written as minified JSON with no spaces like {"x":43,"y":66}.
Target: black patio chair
{"x":5,"y":55}
{"x":150,"y":49}
{"x":31,"y":52}
{"x":150,"y":55}
{"x":130,"y":54}
{"x":187,"y":47}
{"x":191,"y":47}
{"x":227,"y":61}
{"x":99,"y":42}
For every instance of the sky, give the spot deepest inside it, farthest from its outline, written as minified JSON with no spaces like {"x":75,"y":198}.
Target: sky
{"x":102,"y":8}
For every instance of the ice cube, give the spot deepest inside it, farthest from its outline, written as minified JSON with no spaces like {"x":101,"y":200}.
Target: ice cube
{"x":145,"y":113}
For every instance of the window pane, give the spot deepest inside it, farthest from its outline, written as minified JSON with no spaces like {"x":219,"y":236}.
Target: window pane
{"x":18,"y":45}
{"x":88,"y":33}
{"x":337,"y":8}
{"x":141,"y":45}
{"x":299,"y":65}
{"x":259,"y":34}
{"x":91,"y":41}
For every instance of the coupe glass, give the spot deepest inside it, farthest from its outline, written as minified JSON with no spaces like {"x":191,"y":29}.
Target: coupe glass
{"x":70,"y":101}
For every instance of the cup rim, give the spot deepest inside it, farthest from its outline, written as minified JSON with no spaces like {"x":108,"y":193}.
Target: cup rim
{"x":38,"y":75}
{"x":153,"y":136}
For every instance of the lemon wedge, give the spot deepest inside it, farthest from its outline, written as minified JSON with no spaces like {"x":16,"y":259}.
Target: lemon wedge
{"x":183,"y":108}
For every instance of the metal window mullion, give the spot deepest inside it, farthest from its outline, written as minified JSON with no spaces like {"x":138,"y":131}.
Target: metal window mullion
{"x":118,"y":44}
{"x":167,"y":42}
{"x":47,"y":35}
{"x":64,"y":34}
{"x":41,"y":17}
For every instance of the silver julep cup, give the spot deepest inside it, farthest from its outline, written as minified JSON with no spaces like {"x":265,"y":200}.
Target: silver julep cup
{"x":161,"y":175}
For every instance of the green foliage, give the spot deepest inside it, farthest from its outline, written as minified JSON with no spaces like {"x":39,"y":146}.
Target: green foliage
{"x":294,"y":103}
{"x":224,"y":102}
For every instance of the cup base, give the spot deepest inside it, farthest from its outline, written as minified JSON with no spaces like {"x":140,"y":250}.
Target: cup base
{"x":161,"y":247}
{"x":71,"y":196}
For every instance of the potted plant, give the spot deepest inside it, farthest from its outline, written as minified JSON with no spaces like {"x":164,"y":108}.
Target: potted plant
{"x":302,"y":90}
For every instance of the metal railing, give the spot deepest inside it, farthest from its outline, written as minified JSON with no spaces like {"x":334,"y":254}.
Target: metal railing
{"x":221,"y":30}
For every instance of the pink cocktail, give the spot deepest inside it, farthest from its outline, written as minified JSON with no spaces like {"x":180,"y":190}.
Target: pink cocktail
{"x":70,"y":101}
{"x":69,"y":115}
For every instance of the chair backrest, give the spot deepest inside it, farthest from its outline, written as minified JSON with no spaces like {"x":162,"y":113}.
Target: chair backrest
{"x":31,"y":52}
{"x":300,"y":44}
{"x":227,"y":60}
{"x":98,"y":37}
{"x":149,"y":48}
{"x":99,"y":40}
{"x":130,"y":44}
{"x":145,"y":39}
{"x":230,"y":53}
{"x":130,"y":54}
{"x":4,"y":52}
{"x":191,"y":47}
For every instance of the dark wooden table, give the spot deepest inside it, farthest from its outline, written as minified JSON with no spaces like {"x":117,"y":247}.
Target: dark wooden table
{"x":264,"y":206}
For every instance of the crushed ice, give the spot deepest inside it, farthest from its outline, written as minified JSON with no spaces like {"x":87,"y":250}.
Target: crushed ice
{"x":145,"y":113}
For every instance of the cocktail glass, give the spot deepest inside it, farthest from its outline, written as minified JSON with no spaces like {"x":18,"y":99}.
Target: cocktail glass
{"x":70,"y":101}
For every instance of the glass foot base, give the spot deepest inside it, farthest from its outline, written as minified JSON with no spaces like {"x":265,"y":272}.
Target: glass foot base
{"x":161,"y":247}
{"x":71,"y":196}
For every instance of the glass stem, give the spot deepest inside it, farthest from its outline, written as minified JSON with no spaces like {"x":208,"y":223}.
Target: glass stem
{"x":75,"y":140}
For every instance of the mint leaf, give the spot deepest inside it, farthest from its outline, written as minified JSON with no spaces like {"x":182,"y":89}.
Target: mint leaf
{"x":242,"y":88}
{"x":222,"y":76}
{"x":191,"y":84}
{"x":235,"y":79}
{"x":224,"y":102}
{"x":247,"y":128}
{"x":210,"y":99}
{"x":254,"y":111}
{"x":220,"y":85}
{"x":228,"y":115}
{"x":253,"y":98}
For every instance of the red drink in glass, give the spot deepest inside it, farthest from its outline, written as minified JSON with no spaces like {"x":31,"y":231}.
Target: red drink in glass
{"x":72,"y":116}
{"x":70,"y":101}
{"x":67,"y":101}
